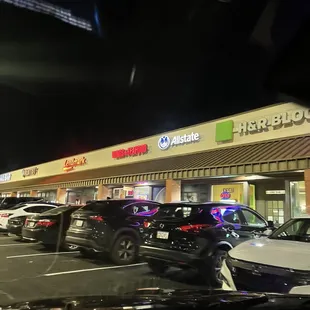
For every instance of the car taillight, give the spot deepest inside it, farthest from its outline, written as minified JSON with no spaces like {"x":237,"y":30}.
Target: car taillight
{"x":194,"y":228}
{"x":45,"y":223}
{"x":98,"y":218}
{"x":26,"y":222}
{"x":146,"y":224}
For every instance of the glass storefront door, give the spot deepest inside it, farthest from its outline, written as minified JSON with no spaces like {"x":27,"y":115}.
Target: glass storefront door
{"x":81,"y":195}
{"x":298,"y":198}
{"x":275,"y":211}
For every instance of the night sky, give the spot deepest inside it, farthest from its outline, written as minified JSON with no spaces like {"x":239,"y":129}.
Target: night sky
{"x":160,"y":65}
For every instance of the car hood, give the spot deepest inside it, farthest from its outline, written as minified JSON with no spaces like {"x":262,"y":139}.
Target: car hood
{"x":151,"y":298}
{"x":279,"y":253}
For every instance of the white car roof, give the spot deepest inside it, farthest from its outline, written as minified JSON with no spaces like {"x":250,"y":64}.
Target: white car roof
{"x":39,"y":204}
{"x":26,"y":205}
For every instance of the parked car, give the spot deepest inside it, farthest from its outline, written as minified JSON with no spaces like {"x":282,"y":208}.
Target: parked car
{"x":20,"y":212}
{"x":198,"y":235}
{"x":50,"y":227}
{"x":278,"y":263}
{"x":10,"y":202}
{"x":111,"y":226}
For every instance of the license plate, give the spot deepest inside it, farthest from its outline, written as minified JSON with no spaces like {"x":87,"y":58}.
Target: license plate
{"x":30,"y":224}
{"x":162,"y":235}
{"x":79,"y":223}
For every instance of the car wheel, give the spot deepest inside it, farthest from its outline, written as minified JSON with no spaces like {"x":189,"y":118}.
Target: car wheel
{"x":157,"y":267}
{"x":218,"y":258}
{"x":88,"y":253}
{"x":124,"y":250}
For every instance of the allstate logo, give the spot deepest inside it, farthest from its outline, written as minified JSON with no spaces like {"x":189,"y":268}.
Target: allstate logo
{"x":164,"y":142}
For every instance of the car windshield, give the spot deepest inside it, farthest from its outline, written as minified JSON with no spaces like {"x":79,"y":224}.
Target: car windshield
{"x":58,"y":210}
{"x":293,"y":230}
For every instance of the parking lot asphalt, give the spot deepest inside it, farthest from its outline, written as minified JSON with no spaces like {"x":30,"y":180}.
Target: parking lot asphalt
{"x":28,"y":272}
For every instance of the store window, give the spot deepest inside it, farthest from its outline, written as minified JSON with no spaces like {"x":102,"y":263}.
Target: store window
{"x":80,"y":195}
{"x":298,"y":198}
{"x":195,"y":192}
{"x":48,"y":195}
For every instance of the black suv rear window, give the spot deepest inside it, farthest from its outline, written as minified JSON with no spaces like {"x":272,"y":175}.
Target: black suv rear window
{"x":185,"y":211}
{"x":104,"y":207}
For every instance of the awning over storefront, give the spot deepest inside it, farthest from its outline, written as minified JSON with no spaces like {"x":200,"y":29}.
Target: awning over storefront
{"x":270,"y":156}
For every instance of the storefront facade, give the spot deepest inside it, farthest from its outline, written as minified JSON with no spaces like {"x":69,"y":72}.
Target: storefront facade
{"x":260,"y":158}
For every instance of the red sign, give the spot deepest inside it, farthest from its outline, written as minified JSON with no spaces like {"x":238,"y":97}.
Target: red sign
{"x":225,"y":195}
{"x":70,"y":164}
{"x":131,"y":151}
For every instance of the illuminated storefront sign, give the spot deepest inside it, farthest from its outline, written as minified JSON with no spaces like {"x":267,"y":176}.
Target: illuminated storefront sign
{"x":284,"y":118}
{"x":130,"y":152}
{"x":5,"y":177}
{"x":225,"y":130}
{"x":165,"y":142}
{"x":70,"y":164}
{"x":30,"y":172}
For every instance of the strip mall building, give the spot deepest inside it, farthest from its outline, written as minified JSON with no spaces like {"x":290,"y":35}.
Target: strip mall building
{"x":260,"y":158}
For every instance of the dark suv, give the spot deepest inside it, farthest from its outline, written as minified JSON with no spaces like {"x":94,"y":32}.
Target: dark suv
{"x":193,"y":235}
{"x":111,"y":226}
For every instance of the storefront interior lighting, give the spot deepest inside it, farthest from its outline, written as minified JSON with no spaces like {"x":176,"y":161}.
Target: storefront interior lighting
{"x":252,"y":177}
{"x":142,"y":183}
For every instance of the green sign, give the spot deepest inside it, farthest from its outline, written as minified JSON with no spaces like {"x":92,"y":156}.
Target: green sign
{"x":224,"y":131}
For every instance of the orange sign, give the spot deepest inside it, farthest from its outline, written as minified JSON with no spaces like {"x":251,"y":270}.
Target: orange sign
{"x":70,"y":164}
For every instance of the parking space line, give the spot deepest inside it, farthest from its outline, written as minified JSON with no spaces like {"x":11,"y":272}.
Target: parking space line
{"x":42,"y":254}
{"x":14,"y":244}
{"x":91,"y":269}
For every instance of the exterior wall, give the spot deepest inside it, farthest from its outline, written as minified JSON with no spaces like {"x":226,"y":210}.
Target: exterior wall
{"x":230,"y":131}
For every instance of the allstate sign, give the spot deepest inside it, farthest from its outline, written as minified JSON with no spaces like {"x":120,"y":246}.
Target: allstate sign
{"x":165,"y":142}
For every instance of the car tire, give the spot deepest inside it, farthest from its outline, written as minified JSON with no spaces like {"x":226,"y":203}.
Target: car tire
{"x":124,"y":250}
{"x":215,"y":272}
{"x":88,"y":253}
{"x":158,"y":267}
{"x":48,"y":246}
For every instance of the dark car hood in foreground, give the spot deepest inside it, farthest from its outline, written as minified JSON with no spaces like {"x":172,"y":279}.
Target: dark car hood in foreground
{"x":166,"y":298}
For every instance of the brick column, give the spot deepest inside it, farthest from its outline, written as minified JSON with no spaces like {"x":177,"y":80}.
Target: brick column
{"x":173,"y":190}
{"x":61,"y":195}
{"x":33,"y":193}
{"x":103,"y":192}
{"x":307,"y":189}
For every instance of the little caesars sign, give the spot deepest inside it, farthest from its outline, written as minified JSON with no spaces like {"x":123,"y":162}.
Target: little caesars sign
{"x":275,"y":121}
